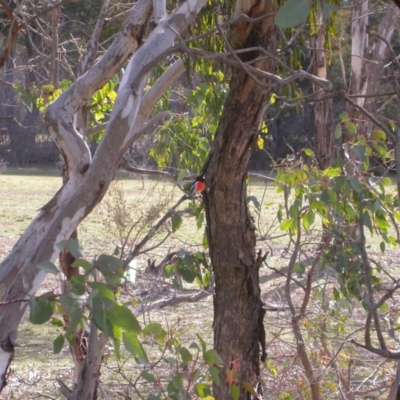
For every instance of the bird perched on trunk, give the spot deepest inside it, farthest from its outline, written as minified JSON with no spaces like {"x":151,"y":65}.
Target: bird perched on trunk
{"x":198,"y":186}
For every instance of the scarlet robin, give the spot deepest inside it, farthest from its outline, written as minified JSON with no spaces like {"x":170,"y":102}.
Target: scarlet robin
{"x":198,"y":186}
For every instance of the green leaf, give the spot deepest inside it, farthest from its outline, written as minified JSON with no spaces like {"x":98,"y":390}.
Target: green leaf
{"x":292,"y":13}
{"x":331,"y":172}
{"x":308,"y":219}
{"x":117,"y":346}
{"x":155,"y":329}
{"x":205,"y":242}
{"x":379,"y":135}
{"x":299,"y":269}
{"x":176,"y":220}
{"x":58,"y":344}
{"x":80,"y":262}
{"x":99,"y":317}
{"x":235,"y":392}
{"x":199,"y":220}
{"x":328,"y":8}
{"x":111,"y":268}
{"x":133,"y":345}
{"x":180,"y":177}
{"x":102,"y":290}
{"x":107,"y":263}
{"x":382,"y":246}
{"x":272,"y":368}
{"x":360,"y":151}
{"x":75,"y":248}
{"x":148,"y":377}
{"x":367,"y":221}
{"x":56,"y":322}
{"x":309,"y":153}
{"x":352,"y":128}
{"x":76,"y":318}
{"x":202,"y":390}
{"x":202,"y":343}
{"x":77,"y":284}
{"x":185,"y":354}
{"x":212,"y":357}
{"x":381,"y":221}
{"x":40,"y":310}
{"x":286,"y":224}
{"x":384,"y":308}
{"x":214,"y":372}
{"x":62,"y":244}
{"x":49,"y":267}
{"x":174,"y":386}
{"x":356,"y":185}
{"x":338,"y":131}
{"x":48,"y":87}
{"x":123,"y":317}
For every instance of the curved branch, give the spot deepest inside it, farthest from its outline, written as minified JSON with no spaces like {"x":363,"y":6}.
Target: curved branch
{"x":59,"y":115}
{"x":275,"y":79}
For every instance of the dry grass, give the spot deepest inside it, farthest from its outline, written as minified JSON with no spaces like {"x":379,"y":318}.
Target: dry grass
{"x":36,"y":368}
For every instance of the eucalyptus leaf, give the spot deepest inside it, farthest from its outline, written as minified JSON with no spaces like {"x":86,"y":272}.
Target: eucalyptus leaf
{"x":292,"y":13}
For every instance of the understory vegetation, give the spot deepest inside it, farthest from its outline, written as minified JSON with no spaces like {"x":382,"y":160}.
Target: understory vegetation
{"x":174,"y":357}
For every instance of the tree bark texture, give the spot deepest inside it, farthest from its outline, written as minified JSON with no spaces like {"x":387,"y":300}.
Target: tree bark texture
{"x":367,"y":66}
{"x":374,"y":64}
{"x":323,"y":108}
{"x":88,"y":179}
{"x":239,"y":335}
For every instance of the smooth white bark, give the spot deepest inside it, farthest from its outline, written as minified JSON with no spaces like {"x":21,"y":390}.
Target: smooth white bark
{"x":359,"y":47}
{"x":88,"y":180}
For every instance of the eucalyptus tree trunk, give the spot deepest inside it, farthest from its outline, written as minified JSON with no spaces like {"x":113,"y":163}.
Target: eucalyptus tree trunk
{"x":374,"y":64}
{"x":359,"y":47}
{"x":88,"y":179}
{"x":323,"y":108}
{"x":79,"y":346}
{"x":239,"y":335}
{"x":367,"y":66}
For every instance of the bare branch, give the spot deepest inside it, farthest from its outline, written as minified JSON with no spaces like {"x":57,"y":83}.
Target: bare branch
{"x":275,"y":79}
{"x":192,"y":298}
{"x":154,"y":229}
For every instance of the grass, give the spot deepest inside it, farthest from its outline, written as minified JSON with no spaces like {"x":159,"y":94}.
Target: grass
{"x":36,"y":368}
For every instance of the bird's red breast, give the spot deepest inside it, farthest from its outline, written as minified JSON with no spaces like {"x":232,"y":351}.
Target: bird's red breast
{"x":198,"y":187}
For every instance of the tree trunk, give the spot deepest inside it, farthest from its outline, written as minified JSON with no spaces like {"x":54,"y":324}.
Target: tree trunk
{"x":323,"y":109}
{"x":239,"y":335}
{"x":367,"y":67}
{"x":374,"y":65}
{"x":359,"y":48}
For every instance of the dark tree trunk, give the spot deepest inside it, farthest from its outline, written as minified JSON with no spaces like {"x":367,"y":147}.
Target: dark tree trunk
{"x":239,"y":335}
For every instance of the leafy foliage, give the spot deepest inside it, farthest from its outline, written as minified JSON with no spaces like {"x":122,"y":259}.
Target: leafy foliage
{"x":345,"y":203}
